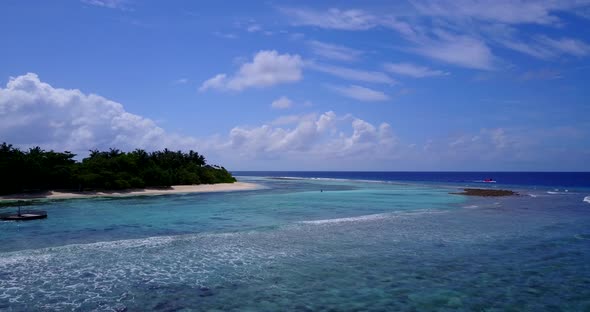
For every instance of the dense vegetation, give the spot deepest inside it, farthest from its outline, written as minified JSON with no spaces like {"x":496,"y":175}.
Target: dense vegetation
{"x":39,"y":170}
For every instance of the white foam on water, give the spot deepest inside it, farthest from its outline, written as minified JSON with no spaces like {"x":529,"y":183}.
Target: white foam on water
{"x":341,"y":180}
{"x":559,"y":192}
{"x":371,"y":217}
{"x":149,"y":242}
{"x":349,"y":219}
{"x":535,"y":195}
{"x":587,"y":199}
{"x":79,"y":276}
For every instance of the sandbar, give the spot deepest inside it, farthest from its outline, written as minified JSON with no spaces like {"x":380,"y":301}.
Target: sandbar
{"x":176,"y":189}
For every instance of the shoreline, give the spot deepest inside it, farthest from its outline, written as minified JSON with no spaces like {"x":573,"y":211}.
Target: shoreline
{"x":175,"y":189}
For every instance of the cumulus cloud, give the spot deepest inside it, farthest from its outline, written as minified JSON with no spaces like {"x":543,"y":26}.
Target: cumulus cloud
{"x":219,"y":81}
{"x":33,"y":112}
{"x":326,"y":136}
{"x":267,"y":68}
{"x":361,"y":93}
{"x":416,"y":71}
{"x":282,"y":103}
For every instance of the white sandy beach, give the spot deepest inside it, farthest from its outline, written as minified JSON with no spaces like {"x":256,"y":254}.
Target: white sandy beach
{"x":177,"y":189}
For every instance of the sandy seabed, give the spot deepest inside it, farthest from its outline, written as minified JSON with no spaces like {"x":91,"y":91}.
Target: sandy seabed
{"x":176,"y":189}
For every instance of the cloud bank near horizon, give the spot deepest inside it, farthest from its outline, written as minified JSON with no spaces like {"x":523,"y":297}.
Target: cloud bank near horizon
{"x":33,"y":112}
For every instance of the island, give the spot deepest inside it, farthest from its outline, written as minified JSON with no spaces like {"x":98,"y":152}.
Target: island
{"x":37,"y":173}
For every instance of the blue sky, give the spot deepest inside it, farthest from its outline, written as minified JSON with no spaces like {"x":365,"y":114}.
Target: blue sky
{"x":304,"y":85}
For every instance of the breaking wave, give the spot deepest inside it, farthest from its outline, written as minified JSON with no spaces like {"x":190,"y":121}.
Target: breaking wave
{"x":370,"y":217}
{"x":350,"y":219}
{"x":86,"y":276}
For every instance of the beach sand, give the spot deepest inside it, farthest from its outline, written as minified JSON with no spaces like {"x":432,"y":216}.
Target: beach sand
{"x":177,"y":189}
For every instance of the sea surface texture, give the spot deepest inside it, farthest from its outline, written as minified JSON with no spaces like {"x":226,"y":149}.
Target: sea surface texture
{"x":311,"y":241}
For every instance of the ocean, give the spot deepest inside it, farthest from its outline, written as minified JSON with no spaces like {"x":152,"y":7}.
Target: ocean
{"x":311,"y":241}
{"x":528,"y":179}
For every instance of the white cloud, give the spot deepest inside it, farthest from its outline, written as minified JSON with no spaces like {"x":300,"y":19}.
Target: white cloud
{"x":181,"y":81}
{"x":446,"y":44}
{"x":463,"y":51}
{"x":489,"y":143}
{"x":539,"y":46}
{"x":219,"y":81}
{"x":332,"y":18}
{"x":496,"y":20}
{"x":266,"y":69}
{"x":531,"y":49}
{"x":111,"y":4}
{"x":334,"y":52}
{"x":353,"y":74}
{"x":361,"y":93}
{"x":313,"y":136}
{"x":566,"y":45}
{"x":254,"y":28}
{"x":35,"y":113}
{"x":282,"y":103}
{"x":500,"y":11}
{"x":457,"y":49}
{"x":493,"y":23}
{"x":413,"y":70}
{"x":462,"y":32}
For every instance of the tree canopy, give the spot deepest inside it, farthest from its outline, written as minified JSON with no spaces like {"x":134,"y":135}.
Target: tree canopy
{"x":39,"y":170}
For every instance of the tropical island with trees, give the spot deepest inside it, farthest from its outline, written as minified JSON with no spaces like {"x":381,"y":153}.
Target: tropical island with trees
{"x":37,"y":170}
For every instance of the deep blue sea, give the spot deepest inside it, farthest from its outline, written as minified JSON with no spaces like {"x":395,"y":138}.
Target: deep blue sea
{"x":311,"y":241}
{"x":527,"y":179}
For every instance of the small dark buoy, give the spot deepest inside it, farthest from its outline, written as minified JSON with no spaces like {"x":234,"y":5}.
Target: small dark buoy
{"x":321,"y":191}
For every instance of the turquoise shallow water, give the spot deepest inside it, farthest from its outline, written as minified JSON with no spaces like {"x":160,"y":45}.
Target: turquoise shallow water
{"x":352,"y":246}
